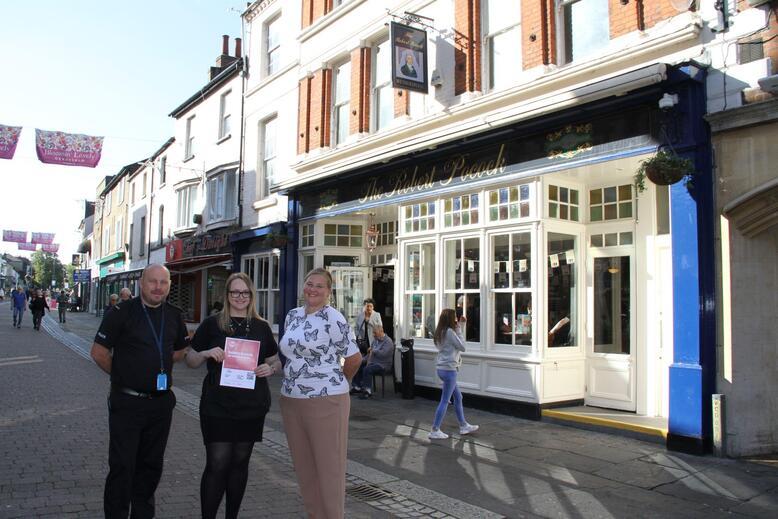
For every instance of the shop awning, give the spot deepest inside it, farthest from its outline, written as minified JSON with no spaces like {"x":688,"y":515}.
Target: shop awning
{"x":187,"y":265}
{"x":110,"y":257}
{"x":128,"y":275}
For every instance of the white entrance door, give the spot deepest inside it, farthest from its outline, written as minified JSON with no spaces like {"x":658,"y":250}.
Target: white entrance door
{"x":349,"y":290}
{"x":610,"y":356}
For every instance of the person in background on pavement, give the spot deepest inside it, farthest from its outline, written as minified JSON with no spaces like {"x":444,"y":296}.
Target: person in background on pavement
{"x":367,"y":320}
{"x":113,"y":300}
{"x":19,"y":304}
{"x":231,"y":419}
{"x":125,"y":294}
{"x":378,"y":361}
{"x":450,"y":343}
{"x":38,"y":307}
{"x":62,"y":305}
{"x":314,"y":395}
{"x":2,"y":294}
{"x":137,"y":343}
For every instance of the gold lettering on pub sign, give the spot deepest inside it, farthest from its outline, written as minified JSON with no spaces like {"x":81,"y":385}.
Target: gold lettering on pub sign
{"x":456,"y":169}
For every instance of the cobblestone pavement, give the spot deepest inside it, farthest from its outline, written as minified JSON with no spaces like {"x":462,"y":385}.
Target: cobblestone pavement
{"x":53,"y":454}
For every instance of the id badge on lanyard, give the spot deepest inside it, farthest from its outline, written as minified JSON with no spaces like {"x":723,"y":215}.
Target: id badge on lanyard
{"x":162,"y":378}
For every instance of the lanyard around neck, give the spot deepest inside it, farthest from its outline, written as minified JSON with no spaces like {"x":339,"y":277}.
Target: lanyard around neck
{"x":158,"y":337}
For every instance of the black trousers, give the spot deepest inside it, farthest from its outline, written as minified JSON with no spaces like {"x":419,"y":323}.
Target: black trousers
{"x":138,"y":429}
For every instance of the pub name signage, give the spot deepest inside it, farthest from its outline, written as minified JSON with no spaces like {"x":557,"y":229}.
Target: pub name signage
{"x":530,"y":152}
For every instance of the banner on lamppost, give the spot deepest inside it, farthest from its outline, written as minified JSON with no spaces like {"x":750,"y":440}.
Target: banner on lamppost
{"x":409,"y":58}
{"x":50,"y":247}
{"x":27,"y":246}
{"x":68,"y":149}
{"x":9,"y":138}
{"x":42,"y":237}
{"x":15,"y":236}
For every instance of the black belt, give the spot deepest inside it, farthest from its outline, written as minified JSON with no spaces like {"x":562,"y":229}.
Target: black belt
{"x":132,"y":392}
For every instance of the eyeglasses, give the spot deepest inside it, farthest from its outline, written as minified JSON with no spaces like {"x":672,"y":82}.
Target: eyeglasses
{"x":237,"y":294}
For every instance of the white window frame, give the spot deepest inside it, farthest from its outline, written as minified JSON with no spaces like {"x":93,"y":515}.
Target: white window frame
{"x":272,"y":48}
{"x":561,"y":35}
{"x":426,"y":293}
{"x":120,"y":191}
{"x":268,"y":154}
{"x":142,"y":237}
{"x":118,"y":224}
{"x":381,"y":91}
{"x":189,"y":141}
{"x":144,"y":189}
{"x":131,"y":244}
{"x":106,"y":239}
{"x":162,"y":171}
{"x":446,"y":290}
{"x":340,"y":128}
{"x":266,"y":288}
{"x":489,"y":46}
{"x":108,"y":200}
{"x":224,"y":115}
{"x":221,"y":200}
{"x":161,"y":225}
{"x":186,"y":207}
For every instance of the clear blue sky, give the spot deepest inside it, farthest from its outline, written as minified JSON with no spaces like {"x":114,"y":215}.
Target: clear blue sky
{"x":106,"y":68}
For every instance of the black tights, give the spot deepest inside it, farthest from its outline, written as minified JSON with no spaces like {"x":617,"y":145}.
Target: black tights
{"x":226,"y":469}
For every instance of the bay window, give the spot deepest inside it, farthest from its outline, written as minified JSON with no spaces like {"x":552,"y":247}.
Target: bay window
{"x":462,"y":285}
{"x":512,"y":287}
{"x":561,"y":290}
{"x":186,"y":198}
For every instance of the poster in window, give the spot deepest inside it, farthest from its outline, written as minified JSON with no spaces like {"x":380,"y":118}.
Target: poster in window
{"x":409,"y":58}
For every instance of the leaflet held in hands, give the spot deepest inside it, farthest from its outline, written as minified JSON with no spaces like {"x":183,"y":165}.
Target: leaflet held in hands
{"x":241,"y":357}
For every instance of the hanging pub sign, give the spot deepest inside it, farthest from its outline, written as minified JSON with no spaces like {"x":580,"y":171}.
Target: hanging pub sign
{"x":42,"y":237}
{"x":68,"y":149}
{"x":409,"y":58}
{"x":76,"y":259}
{"x":9,"y":138}
{"x":15,"y":236}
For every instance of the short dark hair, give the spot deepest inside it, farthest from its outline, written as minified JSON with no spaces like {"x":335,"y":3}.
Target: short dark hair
{"x":368,"y":301}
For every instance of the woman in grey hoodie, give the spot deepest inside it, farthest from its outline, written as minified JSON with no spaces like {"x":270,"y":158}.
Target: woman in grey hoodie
{"x":450,"y":344}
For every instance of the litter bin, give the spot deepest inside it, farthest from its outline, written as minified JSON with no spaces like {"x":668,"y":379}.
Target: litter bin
{"x":407,"y":368}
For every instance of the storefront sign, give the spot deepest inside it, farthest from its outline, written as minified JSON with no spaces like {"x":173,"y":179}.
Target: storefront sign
{"x":81,"y":275}
{"x":204,"y":244}
{"x":409,"y":58}
{"x":532,"y":152}
{"x":174,"y":250}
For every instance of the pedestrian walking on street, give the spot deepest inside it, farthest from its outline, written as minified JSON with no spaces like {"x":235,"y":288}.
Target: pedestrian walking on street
{"x":137,"y":343}
{"x":315,"y":403}
{"x":19,"y":304}
{"x":38,"y":307}
{"x":450,"y":343}
{"x":62,"y":305}
{"x":125,"y":294}
{"x":113,"y":300}
{"x":231,"y":418}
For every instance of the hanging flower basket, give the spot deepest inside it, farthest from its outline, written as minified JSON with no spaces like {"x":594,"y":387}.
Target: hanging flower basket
{"x":663,"y":169}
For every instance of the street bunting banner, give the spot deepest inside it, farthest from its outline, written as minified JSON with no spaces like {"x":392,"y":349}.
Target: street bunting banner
{"x":68,"y":149}
{"x":409,"y":58}
{"x":15,"y":236}
{"x":50,"y":247}
{"x":27,"y":246}
{"x":42,"y":237}
{"x":9,"y":137}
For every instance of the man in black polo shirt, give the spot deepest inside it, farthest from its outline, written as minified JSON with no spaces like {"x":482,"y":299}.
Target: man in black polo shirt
{"x":137,"y":344}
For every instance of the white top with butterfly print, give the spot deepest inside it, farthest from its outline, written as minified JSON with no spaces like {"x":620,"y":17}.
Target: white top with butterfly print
{"x":313,"y":345}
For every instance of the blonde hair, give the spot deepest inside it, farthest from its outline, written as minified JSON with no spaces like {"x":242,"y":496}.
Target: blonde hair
{"x":320,"y":272}
{"x":447,"y":319}
{"x":224,"y":317}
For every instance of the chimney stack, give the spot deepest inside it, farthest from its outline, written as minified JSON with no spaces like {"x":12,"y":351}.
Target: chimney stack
{"x":224,"y":60}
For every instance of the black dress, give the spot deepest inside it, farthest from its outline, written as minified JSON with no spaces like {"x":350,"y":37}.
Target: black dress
{"x":230,"y":414}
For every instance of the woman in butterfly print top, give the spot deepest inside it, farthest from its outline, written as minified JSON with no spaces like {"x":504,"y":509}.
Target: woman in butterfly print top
{"x":231,"y":418}
{"x":314,"y":399}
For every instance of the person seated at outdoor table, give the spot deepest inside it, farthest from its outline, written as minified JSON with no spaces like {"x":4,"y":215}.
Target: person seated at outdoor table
{"x":378,"y":361}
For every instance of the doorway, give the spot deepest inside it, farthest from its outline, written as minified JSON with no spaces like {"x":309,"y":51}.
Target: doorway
{"x":383,"y":295}
{"x":610,"y":352}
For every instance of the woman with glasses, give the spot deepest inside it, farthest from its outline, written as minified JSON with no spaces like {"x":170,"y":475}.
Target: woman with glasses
{"x":322,"y":357}
{"x":231,"y":418}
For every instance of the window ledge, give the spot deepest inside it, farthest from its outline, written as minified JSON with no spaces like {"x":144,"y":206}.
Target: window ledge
{"x":327,"y":19}
{"x":220,"y":223}
{"x":222,"y":139}
{"x":187,"y":159}
{"x":185,"y":231}
{"x":264,"y":203}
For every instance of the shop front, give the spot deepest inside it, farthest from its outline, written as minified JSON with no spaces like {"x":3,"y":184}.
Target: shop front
{"x":199,"y":267}
{"x":568,"y":276}
{"x":110,"y":267}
